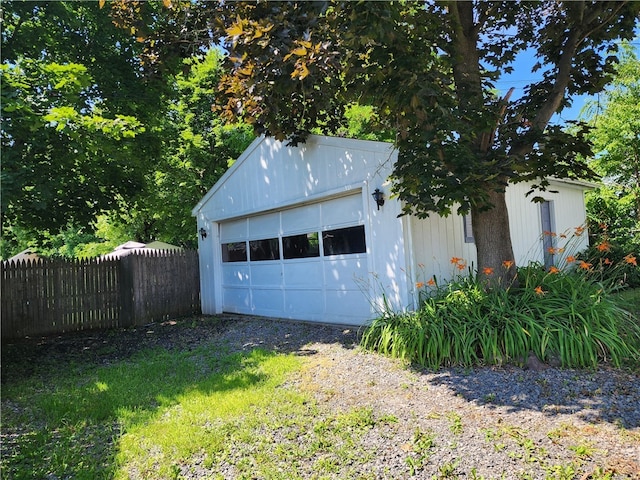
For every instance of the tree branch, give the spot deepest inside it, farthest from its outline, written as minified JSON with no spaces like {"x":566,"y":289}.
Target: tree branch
{"x":556,"y":95}
{"x":466,"y":67}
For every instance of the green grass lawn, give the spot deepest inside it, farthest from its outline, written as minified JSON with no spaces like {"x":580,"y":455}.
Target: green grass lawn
{"x":146,"y":413}
{"x":159,"y":412}
{"x":630,"y":299}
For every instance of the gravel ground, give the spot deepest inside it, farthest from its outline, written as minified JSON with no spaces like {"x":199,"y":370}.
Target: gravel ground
{"x":487,"y":422}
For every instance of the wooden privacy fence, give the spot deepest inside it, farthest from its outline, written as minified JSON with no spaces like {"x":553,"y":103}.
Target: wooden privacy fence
{"x":45,"y":297}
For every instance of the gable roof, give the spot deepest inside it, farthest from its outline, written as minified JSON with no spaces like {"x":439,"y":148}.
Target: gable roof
{"x":347,"y":144}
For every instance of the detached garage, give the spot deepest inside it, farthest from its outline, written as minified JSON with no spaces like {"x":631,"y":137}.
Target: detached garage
{"x":310,"y":233}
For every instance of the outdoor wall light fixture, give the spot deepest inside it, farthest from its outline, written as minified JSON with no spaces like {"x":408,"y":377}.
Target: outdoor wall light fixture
{"x":378,"y":196}
{"x":203,"y":233}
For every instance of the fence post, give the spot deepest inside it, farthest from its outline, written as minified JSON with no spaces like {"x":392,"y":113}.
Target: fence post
{"x":126,"y":291}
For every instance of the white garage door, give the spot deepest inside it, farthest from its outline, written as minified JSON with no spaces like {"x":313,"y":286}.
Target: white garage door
{"x":307,"y":263}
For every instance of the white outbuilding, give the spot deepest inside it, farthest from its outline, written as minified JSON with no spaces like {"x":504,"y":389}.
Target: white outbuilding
{"x":296,"y":232}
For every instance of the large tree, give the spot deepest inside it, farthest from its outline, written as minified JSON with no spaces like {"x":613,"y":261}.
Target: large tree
{"x":614,"y":208}
{"x":102,"y":134}
{"x":430,"y":69}
{"x":616,"y":129}
{"x":73,"y":139}
{"x":196,"y":149}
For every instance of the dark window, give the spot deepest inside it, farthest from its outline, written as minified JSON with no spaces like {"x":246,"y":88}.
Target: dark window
{"x":301,"y":246}
{"x":267,"y":249}
{"x":468,"y":229}
{"x":234,"y":252}
{"x":344,"y":240}
{"x":548,"y":244}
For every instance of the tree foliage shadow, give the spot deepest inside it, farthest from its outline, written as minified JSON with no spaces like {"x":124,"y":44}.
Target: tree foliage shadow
{"x":89,"y":378}
{"x":606,"y":395}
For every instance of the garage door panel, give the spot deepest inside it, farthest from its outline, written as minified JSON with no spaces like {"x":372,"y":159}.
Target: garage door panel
{"x":301,"y":220}
{"x":343,"y":210}
{"x":303,"y":273}
{"x":266,"y":274}
{"x":301,"y":303}
{"x":351,"y":303}
{"x":345,"y":272}
{"x":234,"y":274}
{"x":264,"y":226}
{"x":267,"y":301}
{"x":233,"y":231}
{"x":236,"y":300}
{"x":309,"y":280}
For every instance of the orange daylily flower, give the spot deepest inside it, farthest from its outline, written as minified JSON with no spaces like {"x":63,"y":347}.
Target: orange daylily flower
{"x":604,"y":246}
{"x":487,"y":271}
{"x":607,"y":261}
{"x":552,"y":250}
{"x":431,"y":282}
{"x":455,"y":260}
{"x":507,"y":264}
{"x":462,"y":265}
{"x":571,"y":259}
{"x":563,"y":235}
{"x":579,"y":231}
{"x":631,"y":260}
{"x":553,"y":269}
{"x":539,"y":290}
{"x":584,"y":265}
{"x":419,"y":284}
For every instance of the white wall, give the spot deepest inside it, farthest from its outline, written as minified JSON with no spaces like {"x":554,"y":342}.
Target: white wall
{"x":270,"y":175}
{"x":436,"y":240}
{"x":569,"y":212}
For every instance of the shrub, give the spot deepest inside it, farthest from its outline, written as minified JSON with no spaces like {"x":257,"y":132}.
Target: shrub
{"x":566,"y":314}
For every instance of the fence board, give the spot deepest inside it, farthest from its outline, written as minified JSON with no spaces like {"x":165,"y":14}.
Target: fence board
{"x":45,"y":297}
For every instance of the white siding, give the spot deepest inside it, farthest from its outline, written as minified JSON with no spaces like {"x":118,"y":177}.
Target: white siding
{"x":436,"y":240}
{"x":274,"y":190}
{"x":270,"y":175}
{"x":569,"y":212}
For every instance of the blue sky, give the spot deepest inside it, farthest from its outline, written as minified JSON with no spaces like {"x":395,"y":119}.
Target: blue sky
{"x":522,"y":76}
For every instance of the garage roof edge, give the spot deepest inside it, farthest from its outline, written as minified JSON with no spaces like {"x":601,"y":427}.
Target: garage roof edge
{"x":312,"y":139}
{"x":240,"y":160}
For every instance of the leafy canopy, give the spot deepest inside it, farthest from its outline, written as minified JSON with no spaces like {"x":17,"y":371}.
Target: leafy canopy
{"x":430,"y":70}
{"x":614,"y":208}
{"x":107,"y":132}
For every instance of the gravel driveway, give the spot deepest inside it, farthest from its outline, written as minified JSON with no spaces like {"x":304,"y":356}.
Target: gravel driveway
{"x":476,"y":423}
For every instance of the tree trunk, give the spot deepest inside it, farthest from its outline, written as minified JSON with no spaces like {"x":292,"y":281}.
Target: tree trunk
{"x":496,"y":262}
{"x":491,"y":227}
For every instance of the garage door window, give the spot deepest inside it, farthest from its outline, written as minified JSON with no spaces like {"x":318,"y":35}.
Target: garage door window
{"x":267,"y":249}
{"x":301,"y":246}
{"x":234,"y":252}
{"x":344,"y":240}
